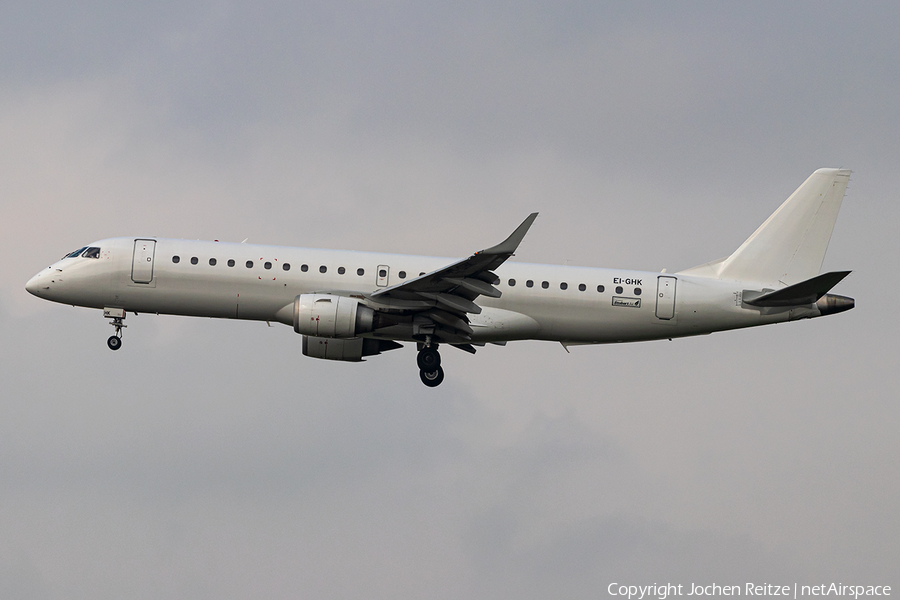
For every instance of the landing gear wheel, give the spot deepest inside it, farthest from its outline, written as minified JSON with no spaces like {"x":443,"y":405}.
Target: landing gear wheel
{"x":115,"y":341}
{"x":432,"y":378}
{"x":428,"y":359}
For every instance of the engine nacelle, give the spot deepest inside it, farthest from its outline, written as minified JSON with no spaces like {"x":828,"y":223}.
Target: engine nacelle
{"x":332,"y":348}
{"x":343,"y":349}
{"x":328,"y":316}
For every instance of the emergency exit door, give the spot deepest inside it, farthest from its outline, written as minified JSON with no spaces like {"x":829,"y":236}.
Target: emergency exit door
{"x":142,"y":263}
{"x":665,"y":298}
{"x":381,"y":278}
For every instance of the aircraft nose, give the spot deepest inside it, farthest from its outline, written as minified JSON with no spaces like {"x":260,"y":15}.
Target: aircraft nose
{"x":36,"y":284}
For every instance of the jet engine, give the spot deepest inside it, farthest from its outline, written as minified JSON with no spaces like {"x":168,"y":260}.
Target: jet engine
{"x":328,"y":316}
{"x":351,"y":350}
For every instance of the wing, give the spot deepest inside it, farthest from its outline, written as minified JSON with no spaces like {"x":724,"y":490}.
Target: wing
{"x":442,"y":299}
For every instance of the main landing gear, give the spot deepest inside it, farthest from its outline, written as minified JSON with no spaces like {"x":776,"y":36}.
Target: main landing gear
{"x":118,"y":317}
{"x":429,"y":361}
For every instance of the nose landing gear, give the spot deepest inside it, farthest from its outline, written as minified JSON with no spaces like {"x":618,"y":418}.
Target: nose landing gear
{"x":429,"y":361}
{"x":118,"y":316}
{"x":114,"y":342}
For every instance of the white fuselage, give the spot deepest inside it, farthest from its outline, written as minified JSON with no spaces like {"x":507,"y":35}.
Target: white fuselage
{"x":576,"y":305}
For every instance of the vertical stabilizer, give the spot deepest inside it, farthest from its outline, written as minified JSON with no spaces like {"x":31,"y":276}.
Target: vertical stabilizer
{"x":790,"y":246}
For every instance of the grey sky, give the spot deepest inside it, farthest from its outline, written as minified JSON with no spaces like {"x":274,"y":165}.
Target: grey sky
{"x":210,"y":459}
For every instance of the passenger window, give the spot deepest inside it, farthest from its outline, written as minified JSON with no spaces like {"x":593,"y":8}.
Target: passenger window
{"x":323,"y":269}
{"x":230,"y":262}
{"x":581,"y":287}
{"x":637,"y":291}
{"x":341,"y":270}
{"x":529,"y":283}
{"x":304,"y":268}
{"x":249,"y":264}
{"x":422,"y":273}
{"x":402,"y":274}
{"x":619,"y":289}
{"x":545,"y":284}
{"x":212,"y":262}
{"x":360,"y":272}
{"x":267,"y":265}
{"x":286,"y":266}
{"x":382,"y":273}
{"x":92,"y":253}
{"x":176,"y":259}
{"x":194,"y":260}
{"x":601,"y":289}
{"x":564,"y":286}
{"x":512,"y":283}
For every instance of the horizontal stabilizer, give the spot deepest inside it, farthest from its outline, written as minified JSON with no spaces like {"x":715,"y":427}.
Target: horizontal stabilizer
{"x":805,"y":292}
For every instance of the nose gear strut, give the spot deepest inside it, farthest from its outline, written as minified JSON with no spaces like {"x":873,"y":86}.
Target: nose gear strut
{"x":118,"y":316}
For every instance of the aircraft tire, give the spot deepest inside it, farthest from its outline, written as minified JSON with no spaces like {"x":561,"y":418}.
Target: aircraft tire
{"x":428,"y":359}
{"x":114,"y":342}
{"x":432,"y":378}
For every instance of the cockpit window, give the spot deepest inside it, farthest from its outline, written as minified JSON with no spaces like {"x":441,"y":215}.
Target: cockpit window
{"x":76,"y":253}
{"x":91,"y":253}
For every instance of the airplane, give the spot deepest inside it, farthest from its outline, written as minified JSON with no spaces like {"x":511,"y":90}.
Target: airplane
{"x":350,"y":305}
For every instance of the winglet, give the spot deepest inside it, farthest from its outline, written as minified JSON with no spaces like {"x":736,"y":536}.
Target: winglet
{"x":509,"y":245}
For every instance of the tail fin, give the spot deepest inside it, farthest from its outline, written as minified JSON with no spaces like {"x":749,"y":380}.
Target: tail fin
{"x":790,"y":246}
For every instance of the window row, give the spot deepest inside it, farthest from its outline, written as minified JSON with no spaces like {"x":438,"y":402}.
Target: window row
{"x":231,"y":262}
{"x":287,"y":267}
{"x":581,"y":287}
{"x":381,"y":273}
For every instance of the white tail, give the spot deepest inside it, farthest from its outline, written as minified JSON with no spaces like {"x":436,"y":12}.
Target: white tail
{"x":790,"y":246}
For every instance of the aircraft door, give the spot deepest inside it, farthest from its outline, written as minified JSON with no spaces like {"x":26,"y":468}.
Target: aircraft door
{"x":142,"y":263}
{"x":665,"y":297}
{"x":382,"y":275}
